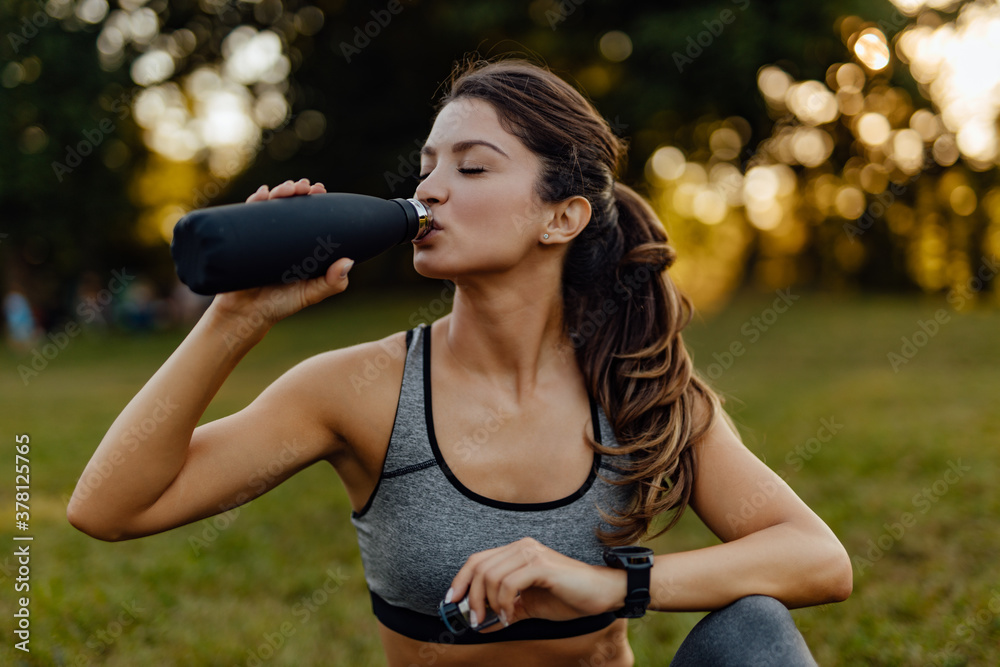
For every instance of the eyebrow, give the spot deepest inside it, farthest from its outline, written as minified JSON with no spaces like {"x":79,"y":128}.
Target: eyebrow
{"x":462,"y":146}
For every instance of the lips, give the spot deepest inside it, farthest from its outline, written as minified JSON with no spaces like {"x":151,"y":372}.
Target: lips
{"x":431,"y":233}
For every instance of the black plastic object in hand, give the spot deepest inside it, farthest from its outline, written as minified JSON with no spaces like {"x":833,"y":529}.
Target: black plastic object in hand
{"x":280,"y":241}
{"x":457,"y":616}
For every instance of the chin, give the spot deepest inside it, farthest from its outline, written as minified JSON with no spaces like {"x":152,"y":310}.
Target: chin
{"x":438,"y":266}
{"x":430,"y":269}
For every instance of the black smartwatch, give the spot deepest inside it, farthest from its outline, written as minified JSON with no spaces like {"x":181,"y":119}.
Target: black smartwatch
{"x":637,"y":563}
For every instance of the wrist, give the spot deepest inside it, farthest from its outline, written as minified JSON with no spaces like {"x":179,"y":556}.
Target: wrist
{"x":238,"y":329}
{"x":615,"y":588}
{"x":637,"y":563}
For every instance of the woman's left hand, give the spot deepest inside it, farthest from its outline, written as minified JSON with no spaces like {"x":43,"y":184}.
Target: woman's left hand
{"x":526,"y":579}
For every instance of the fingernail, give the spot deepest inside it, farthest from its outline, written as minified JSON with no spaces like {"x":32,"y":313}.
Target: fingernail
{"x":447,"y":596}
{"x":473,"y":618}
{"x":263,"y":187}
{"x":321,"y":185}
{"x":503,"y":618}
{"x":343,"y":274}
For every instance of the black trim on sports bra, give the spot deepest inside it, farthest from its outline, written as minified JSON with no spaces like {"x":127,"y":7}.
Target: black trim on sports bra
{"x":426,"y":628}
{"x":371,"y":498}
{"x":483,"y":500}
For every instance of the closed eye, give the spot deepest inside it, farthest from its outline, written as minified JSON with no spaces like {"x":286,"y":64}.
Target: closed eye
{"x":464,"y":170}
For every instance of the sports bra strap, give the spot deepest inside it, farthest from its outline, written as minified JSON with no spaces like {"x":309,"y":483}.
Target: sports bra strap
{"x":408,"y":445}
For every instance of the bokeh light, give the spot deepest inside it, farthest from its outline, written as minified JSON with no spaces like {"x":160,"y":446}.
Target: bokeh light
{"x":873,"y":129}
{"x":812,"y":102}
{"x":251,"y":56}
{"x":92,"y":11}
{"x":667,"y":163}
{"x":212,"y":117}
{"x":872,"y":49}
{"x":615,"y":45}
{"x":846,"y":153}
{"x":958,"y":65}
{"x":774,"y":84}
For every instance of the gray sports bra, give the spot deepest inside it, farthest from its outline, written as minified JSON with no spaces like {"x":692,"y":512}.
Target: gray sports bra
{"x":421,"y":523}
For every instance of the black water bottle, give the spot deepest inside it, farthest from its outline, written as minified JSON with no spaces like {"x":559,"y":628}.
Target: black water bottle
{"x":280,"y":241}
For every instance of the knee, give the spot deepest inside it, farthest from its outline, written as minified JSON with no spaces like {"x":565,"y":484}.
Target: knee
{"x":754,"y":630}
{"x":759,"y":625}
{"x":759,"y":606}
{"x":756,"y":615}
{"x":768,"y":617}
{"x":767,"y":631}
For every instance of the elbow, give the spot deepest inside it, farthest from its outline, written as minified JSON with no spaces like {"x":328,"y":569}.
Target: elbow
{"x":837,"y":574}
{"x":825,"y":575}
{"x":845,"y":584}
{"x":88,"y":524}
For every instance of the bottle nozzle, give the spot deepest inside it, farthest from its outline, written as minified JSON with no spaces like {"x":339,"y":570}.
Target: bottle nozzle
{"x":425,"y":218}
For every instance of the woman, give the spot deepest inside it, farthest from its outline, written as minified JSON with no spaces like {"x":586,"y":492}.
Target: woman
{"x":464,"y":459}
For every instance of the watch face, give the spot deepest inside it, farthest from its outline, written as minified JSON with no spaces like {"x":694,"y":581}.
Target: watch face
{"x":634,"y":555}
{"x":628,"y":557}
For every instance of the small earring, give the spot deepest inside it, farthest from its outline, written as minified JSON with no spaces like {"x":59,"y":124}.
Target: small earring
{"x":545,"y":236}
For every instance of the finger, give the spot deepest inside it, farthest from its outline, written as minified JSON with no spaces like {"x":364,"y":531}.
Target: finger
{"x":496,"y":573}
{"x":302,"y":186}
{"x":462,"y":579}
{"x":488,"y":572}
{"x":477,"y":597}
{"x":317,"y":188}
{"x":508,"y":601}
{"x":507,"y":574}
{"x":286,"y":189}
{"x":468,"y":583}
{"x":526,"y":566}
{"x":332,"y":282}
{"x":260,"y":195}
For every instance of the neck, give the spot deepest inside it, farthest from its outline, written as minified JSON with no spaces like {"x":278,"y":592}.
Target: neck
{"x":506,"y":330}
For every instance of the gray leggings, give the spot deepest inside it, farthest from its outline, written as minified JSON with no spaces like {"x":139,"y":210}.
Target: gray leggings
{"x":755,"y":630}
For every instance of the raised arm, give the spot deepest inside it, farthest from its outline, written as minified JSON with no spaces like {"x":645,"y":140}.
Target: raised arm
{"x":154,"y":470}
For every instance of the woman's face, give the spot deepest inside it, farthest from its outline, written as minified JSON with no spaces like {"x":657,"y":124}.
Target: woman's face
{"x":479,"y":181}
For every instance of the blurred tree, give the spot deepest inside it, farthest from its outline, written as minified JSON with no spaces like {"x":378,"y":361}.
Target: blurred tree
{"x":878,"y":173}
{"x":196,"y":102}
{"x":67,"y":150}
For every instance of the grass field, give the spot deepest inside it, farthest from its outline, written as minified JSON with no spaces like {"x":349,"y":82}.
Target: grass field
{"x":906,"y":477}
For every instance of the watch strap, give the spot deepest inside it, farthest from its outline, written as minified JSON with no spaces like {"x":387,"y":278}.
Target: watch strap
{"x":637,"y":563}
{"x":637,"y":597}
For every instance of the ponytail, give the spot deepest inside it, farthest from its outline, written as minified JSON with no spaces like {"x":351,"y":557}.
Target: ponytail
{"x":639,"y":370}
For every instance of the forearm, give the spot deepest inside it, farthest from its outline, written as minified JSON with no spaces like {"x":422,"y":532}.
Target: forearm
{"x":147,"y":444}
{"x":793,"y":565}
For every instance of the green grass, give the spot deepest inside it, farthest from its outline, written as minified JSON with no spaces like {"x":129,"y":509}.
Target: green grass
{"x":218,"y":591}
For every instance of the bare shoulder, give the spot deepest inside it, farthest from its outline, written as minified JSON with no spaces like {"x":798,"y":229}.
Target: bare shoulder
{"x":353,"y":392}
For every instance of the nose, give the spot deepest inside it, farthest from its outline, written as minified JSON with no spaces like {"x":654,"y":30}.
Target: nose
{"x":431,"y":189}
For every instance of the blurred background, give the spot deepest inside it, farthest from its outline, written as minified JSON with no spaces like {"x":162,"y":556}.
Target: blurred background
{"x":827,"y":172}
{"x":844,"y":145}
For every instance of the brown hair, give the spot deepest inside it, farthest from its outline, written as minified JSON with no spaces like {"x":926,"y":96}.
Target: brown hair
{"x":622,"y":311}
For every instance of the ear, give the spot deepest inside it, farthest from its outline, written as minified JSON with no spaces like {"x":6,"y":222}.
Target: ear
{"x":569,"y":218}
